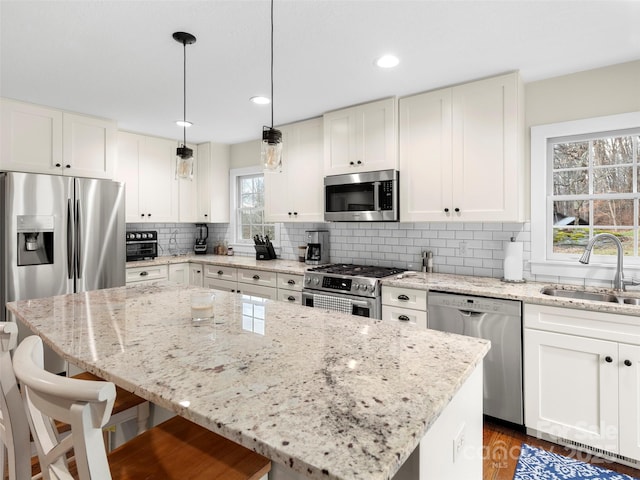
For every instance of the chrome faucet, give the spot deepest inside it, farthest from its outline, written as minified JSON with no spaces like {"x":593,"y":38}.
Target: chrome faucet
{"x":619,"y":282}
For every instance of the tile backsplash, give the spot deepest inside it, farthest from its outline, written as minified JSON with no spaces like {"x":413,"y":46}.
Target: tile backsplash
{"x":463,"y":248}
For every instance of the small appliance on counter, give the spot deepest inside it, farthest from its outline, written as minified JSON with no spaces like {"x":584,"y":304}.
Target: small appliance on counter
{"x":142,"y":245}
{"x":264,"y":248}
{"x":317,"y":247}
{"x":202,"y":233}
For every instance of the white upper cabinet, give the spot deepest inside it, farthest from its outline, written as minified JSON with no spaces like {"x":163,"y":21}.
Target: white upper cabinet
{"x":361,"y":138}
{"x":296,"y":193}
{"x":461,"y":153}
{"x":188,"y":190}
{"x":213,"y":183}
{"x":147,"y":166}
{"x":43,"y":140}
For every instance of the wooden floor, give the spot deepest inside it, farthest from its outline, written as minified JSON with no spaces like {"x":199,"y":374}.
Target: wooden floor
{"x":502,"y":448}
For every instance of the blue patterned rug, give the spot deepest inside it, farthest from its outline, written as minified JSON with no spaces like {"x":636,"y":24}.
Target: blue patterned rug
{"x":537,"y":464}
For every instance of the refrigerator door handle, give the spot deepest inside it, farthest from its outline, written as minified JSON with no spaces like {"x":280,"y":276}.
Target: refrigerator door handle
{"x":69,"y":239}
{"x":78,"y":239}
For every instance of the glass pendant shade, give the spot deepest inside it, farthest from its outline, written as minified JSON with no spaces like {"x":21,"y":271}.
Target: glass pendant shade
{"x":271,"y":151}
{"x":184,"y":163}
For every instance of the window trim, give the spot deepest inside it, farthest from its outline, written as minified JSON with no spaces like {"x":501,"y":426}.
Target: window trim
{"x":240,"y":246}
{"x":599,"y":269}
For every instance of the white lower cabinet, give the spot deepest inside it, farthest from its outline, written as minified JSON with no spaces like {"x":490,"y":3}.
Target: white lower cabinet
{"x":179,"y":273}
{"x":257,"y":283}
{"x":290,"y":288}
{"x":137,"y":275}
{"x":582,"y":378}
{"x":404,"y":305}
{"x":220,"y":278}
{"x":196,"y":274}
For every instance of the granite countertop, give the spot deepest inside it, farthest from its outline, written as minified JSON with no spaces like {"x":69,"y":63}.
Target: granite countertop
{"x":279,"y":266}
{"x":329,"y":395}
{"x":528,"y":292}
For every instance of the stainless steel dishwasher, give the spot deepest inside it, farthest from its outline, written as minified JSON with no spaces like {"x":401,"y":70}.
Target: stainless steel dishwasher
{"x":499,"y":321}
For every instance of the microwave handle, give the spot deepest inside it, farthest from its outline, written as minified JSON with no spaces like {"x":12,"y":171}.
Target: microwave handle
{"x":376,"y":196}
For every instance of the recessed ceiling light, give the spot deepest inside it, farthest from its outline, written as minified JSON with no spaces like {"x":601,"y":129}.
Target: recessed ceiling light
{"x":260,"y":100}
{"x":183,"y":123}
{"x":387,"y":61}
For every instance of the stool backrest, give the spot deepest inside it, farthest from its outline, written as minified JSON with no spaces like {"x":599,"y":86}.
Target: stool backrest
{"x":83,"y":404}
{"x":14,"y":429}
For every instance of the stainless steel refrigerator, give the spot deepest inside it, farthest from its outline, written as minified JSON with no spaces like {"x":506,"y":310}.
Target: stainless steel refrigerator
{"x":59,"y":235}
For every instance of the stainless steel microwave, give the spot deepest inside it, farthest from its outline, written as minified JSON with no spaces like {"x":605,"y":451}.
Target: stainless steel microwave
{"x":362,"y":197}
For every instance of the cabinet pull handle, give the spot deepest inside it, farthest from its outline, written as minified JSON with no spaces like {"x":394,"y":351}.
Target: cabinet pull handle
{"x":205,"y":215}
{"x":403,"y":298}
{"x":197,"y":271}
{"x":144,"y":274}
{"x":295,"y":213}
{"x":456,"y":209}
{"x":351,"y":163}
{"x":289,"y":213}
{"x":58,"y":165}
{"x":403,"y":318}
{"x":291,"y":298}
{"x":291,"y":282}
{"x":256,"y":277}
{"x":446,"y":210}
{"x":628,"y":363}
{"x":220,"y":272}
{"x":608,"y":359}
{"x":142,"y":214}
{"x":359,"y":162}
{"x":67,"y":166}
{"x":148,"y":214}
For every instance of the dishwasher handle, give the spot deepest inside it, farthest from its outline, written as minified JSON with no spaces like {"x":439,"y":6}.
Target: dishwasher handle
{"x":469,"y":313}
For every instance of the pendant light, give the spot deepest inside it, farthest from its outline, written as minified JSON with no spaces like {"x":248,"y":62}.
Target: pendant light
{"x":271,"y":151}
{"x":184,"y":160}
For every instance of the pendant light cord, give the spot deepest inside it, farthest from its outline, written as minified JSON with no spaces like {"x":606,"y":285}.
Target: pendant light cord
{"x":184,"y":93}
{"x":271,"y":63}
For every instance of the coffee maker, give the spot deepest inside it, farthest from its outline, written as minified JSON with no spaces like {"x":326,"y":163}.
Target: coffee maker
{"x":202,"y":233}
{"x":317,"y":247}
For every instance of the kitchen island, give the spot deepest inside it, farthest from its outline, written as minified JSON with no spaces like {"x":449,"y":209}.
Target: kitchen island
{"x":323,"y":394}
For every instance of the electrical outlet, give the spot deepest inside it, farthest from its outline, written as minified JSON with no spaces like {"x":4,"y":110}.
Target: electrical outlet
{"x":458,"y":443}
{"x":463,"y":249}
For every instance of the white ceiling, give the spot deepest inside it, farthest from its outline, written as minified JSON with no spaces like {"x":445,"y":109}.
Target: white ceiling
{"x":117,"y":59}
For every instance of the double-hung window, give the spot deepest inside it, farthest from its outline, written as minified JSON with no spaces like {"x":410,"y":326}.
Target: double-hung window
{"x":585,"y":180}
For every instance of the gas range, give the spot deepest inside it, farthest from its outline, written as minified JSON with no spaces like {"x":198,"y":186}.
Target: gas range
{"x":359,"y":280}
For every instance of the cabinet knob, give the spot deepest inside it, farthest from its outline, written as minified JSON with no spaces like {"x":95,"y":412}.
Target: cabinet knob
{"x":295,"y":213}
{"x":198,"y":271}
{"x":359,"y":162}
{"x":142,"y":214}
{"x":256,"y":277}
{"x":351,"y":163}
{"x":608,"y":359}
{"x":289,"y":213}
{"x":628,"y":363}
{"x":144,"y":274}
{"x":58,"y":165}
{"x":291,"y":282}
{"x":291,"y":298}
{"x":456,"y":209}
{"x":403,"y":318}
{"x":205,"y":215}
{"x":148,"y":214}
{"x":403,"y":298}
{"x":220,"y":272}
{"x":446,"y":210}
{"x":67,"y":166}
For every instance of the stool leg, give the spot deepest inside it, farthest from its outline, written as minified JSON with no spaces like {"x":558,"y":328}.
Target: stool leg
{"x":143,"y":417}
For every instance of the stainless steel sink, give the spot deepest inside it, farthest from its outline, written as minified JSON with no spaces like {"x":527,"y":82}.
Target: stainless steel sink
{"x":581,"y":295}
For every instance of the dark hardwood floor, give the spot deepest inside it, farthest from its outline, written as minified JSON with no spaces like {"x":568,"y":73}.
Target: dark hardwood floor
{"x":502,"y":448}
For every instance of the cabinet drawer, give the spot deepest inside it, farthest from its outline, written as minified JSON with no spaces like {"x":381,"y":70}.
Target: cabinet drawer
{"x":288,"y":281}
{"x":405,"y":315}
{"x":257,"y":277}
{"x":269,"y":293}
{"x":224,"y":285}
{"x":221,"y":273}
{"x":147,"y":274}
{"x":405,"y":298}
{"x":290,"y":296}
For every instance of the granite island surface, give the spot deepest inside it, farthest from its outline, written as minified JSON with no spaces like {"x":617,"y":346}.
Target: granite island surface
{"x":325,"y":394}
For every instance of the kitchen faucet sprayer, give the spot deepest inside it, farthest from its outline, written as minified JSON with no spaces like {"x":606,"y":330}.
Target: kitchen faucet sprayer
{"x":619,"y":282}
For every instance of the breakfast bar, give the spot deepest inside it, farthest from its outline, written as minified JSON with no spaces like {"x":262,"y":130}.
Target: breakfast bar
{"x":324,"y":395}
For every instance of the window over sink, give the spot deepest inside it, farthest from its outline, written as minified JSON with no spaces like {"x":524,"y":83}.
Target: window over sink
{"x":585,"y":180}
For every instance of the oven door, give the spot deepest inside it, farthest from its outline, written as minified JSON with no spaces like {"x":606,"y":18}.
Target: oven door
{"x":361,"y":306}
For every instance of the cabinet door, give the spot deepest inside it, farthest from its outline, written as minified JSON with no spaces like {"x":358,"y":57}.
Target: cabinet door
{"x":213,"y":183}
{"x":425,"y":157}
{"x":277,"y":197}
{"x":487,"y":150}
{"x":88,"y":146}
{"x":571,"y":388}
{"x":376,"y":137}
{"x":179,"y":273}
{"x":224,"y":285}
{"x":629,"y":400}
{"x":157,"y":182}
{"x":136,"y":275}
{"x":195,"y":274}
{"x":30,"y":138}
{"x":404,"y":316}
{"x":290,"y":296}
{"x":127,"y":166}
{"x":269,"y":293}
{"x":339,"y":141}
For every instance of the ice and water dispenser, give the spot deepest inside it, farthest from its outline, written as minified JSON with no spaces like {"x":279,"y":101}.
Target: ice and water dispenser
{"x":35,"y":239}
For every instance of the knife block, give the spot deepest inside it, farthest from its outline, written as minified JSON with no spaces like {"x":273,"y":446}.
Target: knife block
{"x":265,"y":252}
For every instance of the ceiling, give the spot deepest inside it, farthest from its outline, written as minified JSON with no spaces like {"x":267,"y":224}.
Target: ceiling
{"x":117,"y":59}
